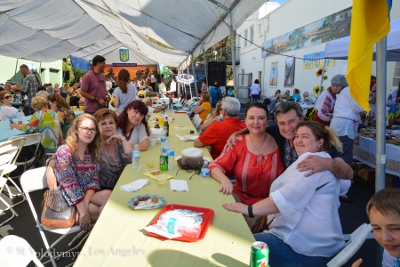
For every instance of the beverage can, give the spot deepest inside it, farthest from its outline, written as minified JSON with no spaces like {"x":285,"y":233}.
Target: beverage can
{"x":259,"y":254}
{"x":163,"y":162}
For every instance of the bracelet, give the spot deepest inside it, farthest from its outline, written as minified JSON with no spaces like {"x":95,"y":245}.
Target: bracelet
{"x":95,"y":99}
{"x":250,"y":210}
{"x":122,"y":139}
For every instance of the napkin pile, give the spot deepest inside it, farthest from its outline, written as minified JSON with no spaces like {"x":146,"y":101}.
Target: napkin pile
{"x":134,"y":186}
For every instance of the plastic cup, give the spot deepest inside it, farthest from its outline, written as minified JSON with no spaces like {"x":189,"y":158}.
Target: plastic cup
{"x":152,"y":141}
{"x":160,"y":121}
{"x":81,"y":107}
{"x":75,"y":107}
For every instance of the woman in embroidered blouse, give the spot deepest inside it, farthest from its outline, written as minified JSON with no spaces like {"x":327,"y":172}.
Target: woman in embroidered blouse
{"x":77,"y":170}
{"x":64,"y":112}
{"x":306,"y":225}
{"x":254,"y":162}
{"x":45,"y":122}
{"x":133,"y":126}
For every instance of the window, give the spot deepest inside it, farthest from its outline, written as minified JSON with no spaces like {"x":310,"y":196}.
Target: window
{"x":252,"y":34}
{"x":259,"y":29}
{"x":246,"y":35}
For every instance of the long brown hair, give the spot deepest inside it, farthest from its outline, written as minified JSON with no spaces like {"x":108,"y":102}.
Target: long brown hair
{"x":123,"y":119}
{"x":61,"y":103}
{"x":123,"y":79}
{"x":72,"y":138}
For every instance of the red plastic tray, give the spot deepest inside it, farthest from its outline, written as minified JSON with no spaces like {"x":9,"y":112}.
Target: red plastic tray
{"x":207,"y":218}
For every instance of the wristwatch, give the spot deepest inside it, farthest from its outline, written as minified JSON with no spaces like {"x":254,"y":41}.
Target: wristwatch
{"x":123,"y":139}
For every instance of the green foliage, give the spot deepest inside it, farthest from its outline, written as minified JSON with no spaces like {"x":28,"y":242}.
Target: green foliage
{"x":78,"y":73}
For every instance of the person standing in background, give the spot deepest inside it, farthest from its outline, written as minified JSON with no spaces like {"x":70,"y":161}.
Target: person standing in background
{"x":255,"y":90}
{"x":125,"y":93}
{"x":93,"y":87}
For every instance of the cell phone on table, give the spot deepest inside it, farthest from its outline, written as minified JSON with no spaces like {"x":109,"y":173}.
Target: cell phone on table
{"x":11,"y":121}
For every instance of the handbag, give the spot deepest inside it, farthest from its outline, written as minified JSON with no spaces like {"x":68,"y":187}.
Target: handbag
{"x":56,"y":212}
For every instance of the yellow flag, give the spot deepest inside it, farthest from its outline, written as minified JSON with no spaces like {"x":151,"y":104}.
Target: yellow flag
{"x":369,"y":24}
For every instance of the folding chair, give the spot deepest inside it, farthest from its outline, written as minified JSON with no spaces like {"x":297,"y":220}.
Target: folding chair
{"x":34,"y":180}
{"x":356,"y":239}
{"x":17,"y":143}
{"x":30,"y":139}
{"x":7,"y":155}
{"x":16,"y":251}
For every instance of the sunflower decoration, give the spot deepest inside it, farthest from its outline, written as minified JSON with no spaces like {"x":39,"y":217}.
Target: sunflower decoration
{"x":320,"y":72}
{"x":316,"y":90}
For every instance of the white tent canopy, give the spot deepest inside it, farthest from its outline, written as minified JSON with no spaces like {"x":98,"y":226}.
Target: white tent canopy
{"x":47,"y":30}
{"x":339,"y":48}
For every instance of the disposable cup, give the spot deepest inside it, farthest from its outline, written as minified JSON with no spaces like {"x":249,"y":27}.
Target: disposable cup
{"x":81,"y":107}
{"x":160,"y":121}
{"x":152,"y":141}
{"x":75,"y":107}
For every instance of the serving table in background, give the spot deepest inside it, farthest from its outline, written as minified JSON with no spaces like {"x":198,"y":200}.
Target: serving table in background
{"x":119,"y":239}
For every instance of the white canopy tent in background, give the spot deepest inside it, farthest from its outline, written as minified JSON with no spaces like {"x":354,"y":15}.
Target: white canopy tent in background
{"x":339,"y":48}
{"x":47,"y":30}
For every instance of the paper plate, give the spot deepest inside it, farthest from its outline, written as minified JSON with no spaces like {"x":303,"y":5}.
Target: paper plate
{"x":177,"y":213}
{"x":147,"y":205}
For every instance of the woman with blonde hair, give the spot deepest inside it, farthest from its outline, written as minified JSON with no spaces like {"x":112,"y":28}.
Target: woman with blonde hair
{"x":125,"y":93}
{"x":45,"y":122}
{"x":77,"y":166}
{"x":213,"y":117}
{"x":64,"y":112}
{"x":203,"y":107}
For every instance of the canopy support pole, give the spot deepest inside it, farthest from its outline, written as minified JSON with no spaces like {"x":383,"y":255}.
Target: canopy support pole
{"x":205,"y":63}
{"x":233,"y":51}
{"x":380,"y":175}
{"x":194,"y":77}
{"x":15,"y":72}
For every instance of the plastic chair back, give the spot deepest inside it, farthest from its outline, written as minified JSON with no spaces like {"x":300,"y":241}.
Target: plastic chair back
{"x":16,"y":251}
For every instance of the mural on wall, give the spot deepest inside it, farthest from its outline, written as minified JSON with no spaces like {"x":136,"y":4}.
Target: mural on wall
{"x":273,"y":74}
{"x":324,"y":30}
{"x":289,"y":71}
{"x":140,"y":72}
{"x":316,"y":61}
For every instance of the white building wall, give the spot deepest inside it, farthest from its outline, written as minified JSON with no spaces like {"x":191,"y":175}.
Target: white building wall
{"x":10,"y":69}
{"x":289,"y":16}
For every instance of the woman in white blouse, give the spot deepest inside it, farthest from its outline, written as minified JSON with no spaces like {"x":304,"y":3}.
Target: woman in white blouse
{"x":133,"y":126}
{"x":7,"y":111}
{"x":304,"y":228}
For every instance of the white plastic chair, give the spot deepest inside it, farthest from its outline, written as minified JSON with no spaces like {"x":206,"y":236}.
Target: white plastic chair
{"x":357,"y":238}
{"x":30,"y":139}
{"x":16,"y":252}
{"x":196,"y":122}
{"x":34,"y":180}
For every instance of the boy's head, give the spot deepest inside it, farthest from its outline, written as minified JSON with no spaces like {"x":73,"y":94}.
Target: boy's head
{"x":383,"y":210}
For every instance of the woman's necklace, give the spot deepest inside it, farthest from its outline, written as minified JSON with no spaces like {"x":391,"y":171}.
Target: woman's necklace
{"x":259,"y":156}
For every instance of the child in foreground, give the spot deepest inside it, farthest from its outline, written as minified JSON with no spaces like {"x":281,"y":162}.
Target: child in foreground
{"x":383,"y":210}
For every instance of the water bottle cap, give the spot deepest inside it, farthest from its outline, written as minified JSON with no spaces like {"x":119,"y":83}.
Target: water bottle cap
{"x":171,"y":153}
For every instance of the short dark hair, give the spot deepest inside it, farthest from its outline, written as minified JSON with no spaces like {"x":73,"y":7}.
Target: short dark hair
{"x":24,"y":66}
{"x":257,"y":105}
{"x":285,"y":107}
{"x":98,"y":59}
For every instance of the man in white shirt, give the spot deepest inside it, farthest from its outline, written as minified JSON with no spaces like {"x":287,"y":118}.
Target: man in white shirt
{"x":163,"y":88}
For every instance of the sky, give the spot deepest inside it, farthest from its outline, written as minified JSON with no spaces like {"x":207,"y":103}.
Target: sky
{"x":279,"y":1}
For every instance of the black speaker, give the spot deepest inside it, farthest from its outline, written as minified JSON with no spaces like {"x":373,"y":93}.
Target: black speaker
{"x":216,"y":74}
{"x":65,"y":75}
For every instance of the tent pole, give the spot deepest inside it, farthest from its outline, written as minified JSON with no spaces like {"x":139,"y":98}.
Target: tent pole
{"x":15,"y":72}
{"x":381,"y":72}
{"x":322,"y":79}
{"x":205,"y":62}
{"x":233,"y":51}
{"x":194,"y":77}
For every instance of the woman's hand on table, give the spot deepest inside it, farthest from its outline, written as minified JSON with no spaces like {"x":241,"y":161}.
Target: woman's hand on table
{"x":236,"y":207}
{"x":226,"y":187}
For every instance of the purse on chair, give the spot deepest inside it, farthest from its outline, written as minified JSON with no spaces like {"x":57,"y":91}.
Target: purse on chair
{"x":56,"y":211}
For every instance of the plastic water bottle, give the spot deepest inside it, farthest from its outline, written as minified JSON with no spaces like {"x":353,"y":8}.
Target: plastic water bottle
{"x":163,"y":140}
{"x":171,"y":159}
{"x":20,"y":116}
{"x":136,"y":158}
{"x":165,"y":148}
{"x":205,"y":171}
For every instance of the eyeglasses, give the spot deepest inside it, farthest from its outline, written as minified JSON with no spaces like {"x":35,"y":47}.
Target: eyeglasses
{"x":88,"y":130}
{"x":7,"y":97}
{"x":189,"y":170}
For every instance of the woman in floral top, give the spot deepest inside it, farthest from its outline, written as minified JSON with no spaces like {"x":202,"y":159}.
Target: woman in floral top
{"x":45,"y":122}
{"x":77,"y":170}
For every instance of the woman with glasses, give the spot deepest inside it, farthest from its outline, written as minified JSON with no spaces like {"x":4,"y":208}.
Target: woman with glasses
{"x":45,"y":122}
{"x":77,"y":166}
{"x":7,"y":111}
{"x":254,"y":163}
{"x":304,"y":228}
{"x":64,"y":112}
{"x":133,"y":126}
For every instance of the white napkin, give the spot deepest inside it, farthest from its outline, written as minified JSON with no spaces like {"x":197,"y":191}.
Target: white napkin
{"x":134,"y":186}
{"x":156,"y":229}
{"x":179,"y":185}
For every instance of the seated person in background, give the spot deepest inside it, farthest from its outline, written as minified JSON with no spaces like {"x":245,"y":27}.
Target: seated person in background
{"x":218,"y":133}
{"x":45,"y":122}
{"x":383,"y":210}
{"x":64,"y":112}
{"x":149,"y":102}
{"x":132,"y":124}
{"x":296,"y":95}
{"x":230,"y":92}
{"x":286,"y":96}
{"x":212,"y":117}
{"x":43,"y":94}
{"x":305,"y":228}
{"x":393,"y":98}
{"x":254,"y":161}
{"x":50,"y":90}
{"x":57,"y":88}
{"x":76,"y":168}
{"x":306,"y":98}
{"x":203,"y":107}
{"x":7,"y":111}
